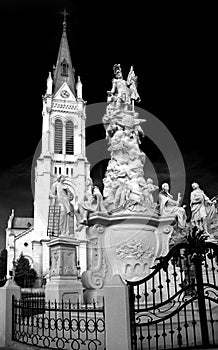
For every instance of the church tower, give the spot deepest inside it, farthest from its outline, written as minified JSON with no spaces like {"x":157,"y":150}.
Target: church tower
{"x":63,"y":144}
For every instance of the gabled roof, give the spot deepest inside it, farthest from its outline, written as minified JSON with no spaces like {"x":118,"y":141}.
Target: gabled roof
{"x":22,"y":223}
{"x":64,"y":58}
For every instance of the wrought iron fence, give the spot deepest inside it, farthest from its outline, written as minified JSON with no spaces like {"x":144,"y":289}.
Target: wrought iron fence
{"x":32,"y":295}
{"x":176,"y":306}
{"x":33,"y":303}
{"x":55,"y":325}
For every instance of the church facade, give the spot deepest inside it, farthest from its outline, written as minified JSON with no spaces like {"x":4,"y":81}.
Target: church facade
{"x":63,"y":152}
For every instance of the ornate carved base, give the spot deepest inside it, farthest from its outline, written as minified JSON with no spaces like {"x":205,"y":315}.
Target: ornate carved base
{"x":63,"y":284}
{"x":126,"y":245}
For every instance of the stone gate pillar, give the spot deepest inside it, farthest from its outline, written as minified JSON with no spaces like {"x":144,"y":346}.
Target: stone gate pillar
{"x":118,"y":334}
{"x":6,"y":293}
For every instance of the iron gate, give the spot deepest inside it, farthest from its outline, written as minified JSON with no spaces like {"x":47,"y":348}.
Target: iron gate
{"x":176,"y":306}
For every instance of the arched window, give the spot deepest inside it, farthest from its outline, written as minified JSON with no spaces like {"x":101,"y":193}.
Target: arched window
{"x":64,"y":68}
{"x":69,"y":137}
{"x":58,"y":139}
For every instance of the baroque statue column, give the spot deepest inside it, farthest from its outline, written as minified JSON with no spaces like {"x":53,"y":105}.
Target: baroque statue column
{"x":126,"y":233}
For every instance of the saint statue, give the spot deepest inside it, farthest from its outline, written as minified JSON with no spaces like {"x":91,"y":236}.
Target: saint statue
{"x":171,"y":207}
{"x":202,"y":208}
{"x":92,"y":203}
{"x":120,"y":92}
{"x":123,"y":92}
{"x":62,"y":195}
{"x":151,"y":188}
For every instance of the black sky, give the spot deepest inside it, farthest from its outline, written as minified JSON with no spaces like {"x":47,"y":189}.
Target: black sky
{"x":173,"y":50}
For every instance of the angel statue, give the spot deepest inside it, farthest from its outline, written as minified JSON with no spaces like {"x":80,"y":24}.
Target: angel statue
{"x":62,"y":194}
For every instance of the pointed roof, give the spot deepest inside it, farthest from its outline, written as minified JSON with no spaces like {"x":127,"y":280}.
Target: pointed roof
{"x":64,"y":71}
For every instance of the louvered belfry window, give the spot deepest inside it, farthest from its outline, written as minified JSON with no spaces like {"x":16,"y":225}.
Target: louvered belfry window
{"x":69,"y":137}
{"x":64,"y":68}
{"x":58,"y":142}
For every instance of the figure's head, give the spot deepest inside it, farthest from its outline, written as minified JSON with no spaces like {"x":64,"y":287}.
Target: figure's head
{"x":61,"y":178}
{"x":195,"y":185}
{"x":118,"y":71}
{"x":166,"y":187}
{"x":119,"y":74}
{"x":89,"y":182}
{"x":95,"y":190}
{"x":149,"y":181}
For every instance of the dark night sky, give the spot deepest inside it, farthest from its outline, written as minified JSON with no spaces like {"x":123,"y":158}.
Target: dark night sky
{"x":173,"y":52}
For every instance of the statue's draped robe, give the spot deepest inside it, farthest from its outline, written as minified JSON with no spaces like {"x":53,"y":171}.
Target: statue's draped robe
{"x":169,"y":208}
{"x":60,"y":191}
{"x":200,"y":208}
{"x":123,"y":92}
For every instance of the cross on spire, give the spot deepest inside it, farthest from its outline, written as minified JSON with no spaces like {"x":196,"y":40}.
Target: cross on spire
{"x":65,"y":14}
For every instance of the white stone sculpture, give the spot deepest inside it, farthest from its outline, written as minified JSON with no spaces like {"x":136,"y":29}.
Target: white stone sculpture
{"x":93,"y":203}
{"x":202,"y":208}
{"x":170,"y":207}
{"x":124,"y":183}
{"x":62,"y":195}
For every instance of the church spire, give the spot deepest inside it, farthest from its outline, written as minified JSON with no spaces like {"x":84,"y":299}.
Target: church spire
{"x":64,"y":71}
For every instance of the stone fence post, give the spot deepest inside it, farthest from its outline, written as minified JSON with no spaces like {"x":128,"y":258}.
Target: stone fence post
{"x":6,"y":292}
{"x":117,"y":315}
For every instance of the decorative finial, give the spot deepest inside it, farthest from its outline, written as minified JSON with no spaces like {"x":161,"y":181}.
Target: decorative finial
{"x":79,"y":89}
{"x":65,"y":14}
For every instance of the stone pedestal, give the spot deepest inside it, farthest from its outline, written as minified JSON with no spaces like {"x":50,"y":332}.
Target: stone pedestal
{"x":126,"y":245}
{"x":63,"y":284}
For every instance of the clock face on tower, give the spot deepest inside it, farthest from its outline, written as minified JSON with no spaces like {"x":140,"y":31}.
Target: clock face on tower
{"x":65,"y":94}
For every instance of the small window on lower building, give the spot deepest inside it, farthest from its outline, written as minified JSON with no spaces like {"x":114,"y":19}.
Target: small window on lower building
{"x":25,"y":244}
{"x":59,"y":171}
{"x":55,"y":170}
{"x":67,"y":171}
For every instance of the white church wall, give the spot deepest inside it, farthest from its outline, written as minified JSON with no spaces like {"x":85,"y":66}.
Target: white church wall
{"x":45,"y":258}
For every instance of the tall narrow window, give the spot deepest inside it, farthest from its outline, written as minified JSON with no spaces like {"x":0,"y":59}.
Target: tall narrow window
{"x":58,"y":140}
{"x":64,"y":68}
{"x":69,"y":137}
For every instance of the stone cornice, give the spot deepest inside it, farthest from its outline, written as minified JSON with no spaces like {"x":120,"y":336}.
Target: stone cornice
{"x":107,"y":220}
